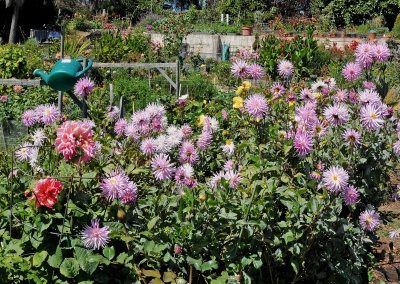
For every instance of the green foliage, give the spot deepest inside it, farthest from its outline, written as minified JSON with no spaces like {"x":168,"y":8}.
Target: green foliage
{"x":120,"y":46}
{"x":299,"y":50}
{"x":12,"y":61}
{"x":396,"y":28}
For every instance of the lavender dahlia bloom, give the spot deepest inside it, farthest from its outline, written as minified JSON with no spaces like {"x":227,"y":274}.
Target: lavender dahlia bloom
{"x":396,"y":147}
{"x":114,"y":184}
{"x":234,"y":179}
{"x":364,"y":55}
{"x":369,"y":96}
{"x":395,"y":234}
{"x":228,"y":148}
{"x":225,"y":115}
{"x":186,"y":130}
{"x":256,"y":105}
{"x":337,"y":114}
{"x":29,"y":117}
{"x":163,"y":168}
{"x":163,"y":144}
{"x":129,"y":195}
{"x":350,"y":195}
{"x":307,"y":95}
{"x":319,"y":86}
{"x":256,"y":71}
{"x":24,"y":152}
{"x":132,"y":131}
{"x":277,"y":89}
{"x":48,"y":114}
{"x":95,"y":237}
{"x":315,"y":175}
{"x":351,"y":71}
{"x":307,"y":116}
{"x":352,"y":137}
{"x":188,"y":153}
{"x":83,"y":87}
{"x":148,"y":146}
{"x":369,"y":220}
{"x":120,"y":125}
{"x":285,"y":68}
{"x":335,"y":178}
{"x":113,"y":113}
{"x":320,"y":129}
{"x":369,"y":85}
{"x":302,"y":143}
{"x":341,"y":96}
{"x":381,"y":52}
{"x":371,"y":117}
{"x":204,"y":140}
{"x":228,"y":165}
{"x":240,"y":69}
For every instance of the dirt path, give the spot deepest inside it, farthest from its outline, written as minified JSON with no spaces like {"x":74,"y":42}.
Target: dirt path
{"x":387,"y":251}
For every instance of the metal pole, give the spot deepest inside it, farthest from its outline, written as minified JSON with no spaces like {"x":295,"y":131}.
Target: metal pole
{"x":84,"y":105}
{"x":177,"y":79}
{"x":111,"y":95}
{"x":121,"y":107}
{"x":60,"y":94}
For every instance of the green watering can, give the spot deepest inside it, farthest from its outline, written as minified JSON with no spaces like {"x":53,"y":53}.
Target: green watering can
{"x":65,"y":74}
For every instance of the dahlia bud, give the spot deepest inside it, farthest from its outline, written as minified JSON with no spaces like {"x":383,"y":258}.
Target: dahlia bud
{"x":121,"y":214}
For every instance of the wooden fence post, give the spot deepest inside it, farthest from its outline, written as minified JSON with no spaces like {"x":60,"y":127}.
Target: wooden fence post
{"x":177,"y":79}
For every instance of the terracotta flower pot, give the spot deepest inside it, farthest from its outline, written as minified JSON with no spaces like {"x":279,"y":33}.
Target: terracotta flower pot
{"x":343,"y":34}
{"x":371,"y":35}
{"x":246,"y":31}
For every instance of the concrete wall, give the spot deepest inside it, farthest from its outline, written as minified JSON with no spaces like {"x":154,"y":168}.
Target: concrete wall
{"x":210,"y":45}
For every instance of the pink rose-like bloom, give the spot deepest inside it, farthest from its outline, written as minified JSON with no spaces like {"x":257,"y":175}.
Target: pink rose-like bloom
{"x":163,"y":168}
{"x":178,"y":249}
{"x":18,"y":89}
{"x":381,"y":52}
{"x":369,"y":220}
{"x":95,"y":237}
{"x":337,"y":114}
{"x":335,"y":178}
{"x":302,"y":143}
{"x":83,"y":87}
{"x":256,"y":71}
{"x":240,"y":69}
{"x":3,"y":98}
{"x":285,"y":68}
{"x":256,"y":105}
{"x":29,"y":117}
{"x":73,"y":134}
{"x":351,"y":71}
{"x":371,"y":117}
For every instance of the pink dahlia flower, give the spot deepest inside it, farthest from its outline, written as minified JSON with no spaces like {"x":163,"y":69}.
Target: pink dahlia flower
{"x":381,"y":52}
{"x":83,"y":87}
{"x":240,"y":69}
{"x":285,"y":68}
{"x":351,"y":71}
{"x":256,"y":71}
{"x":256,"y":105}
{"x":72,"y":135}
{"x":302,"y":143}
{"x":352,"y":137}
{"x":369,"y":220}
{"x":350,"y":195}
{"x":95,"y":237}
{"x":47,"y":114}
{"x":29,"y":117}
{"x":364,"y":55}
{"x":163,"y":168}
{"x":120,"y":125}
{"x":335,"y":178}
{"x":337,"y":114}
{"x":371,"y":116}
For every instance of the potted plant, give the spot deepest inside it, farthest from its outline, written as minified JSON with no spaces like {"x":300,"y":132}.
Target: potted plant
{"x":247,"y":24}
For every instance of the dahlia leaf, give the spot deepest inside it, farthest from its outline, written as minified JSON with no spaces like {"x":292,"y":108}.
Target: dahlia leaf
{"x":69,"y":268}
{"x":38,"y":258}
{"x":109,"y":252}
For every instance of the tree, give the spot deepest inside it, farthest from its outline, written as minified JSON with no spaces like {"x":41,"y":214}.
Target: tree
{"x":16,"y":6}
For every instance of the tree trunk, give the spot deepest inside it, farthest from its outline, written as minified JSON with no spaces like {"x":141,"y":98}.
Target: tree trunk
{"x":14,"y":24}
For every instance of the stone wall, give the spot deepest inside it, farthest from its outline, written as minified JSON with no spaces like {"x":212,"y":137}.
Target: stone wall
{"x":210,"y":45}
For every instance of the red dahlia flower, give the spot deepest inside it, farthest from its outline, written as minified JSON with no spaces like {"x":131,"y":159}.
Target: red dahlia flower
{"x":46,"y":192}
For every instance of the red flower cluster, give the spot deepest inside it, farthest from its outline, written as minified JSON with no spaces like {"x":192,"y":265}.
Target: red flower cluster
{"x":46,"y":192}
